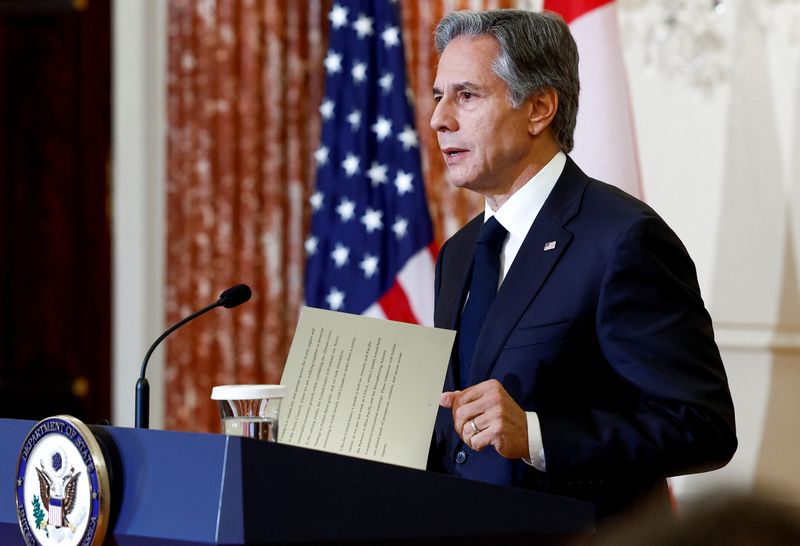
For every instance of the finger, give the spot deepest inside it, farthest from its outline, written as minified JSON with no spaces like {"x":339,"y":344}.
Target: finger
{"x":447,"y":399}
{"x":479,"y":440}
{"x":469,"y":430}
{"x":475,"y":423}
{"x":471,"y":394}
{"x":474,"y":400}
{"x":468,"y":435}
{"x":463,"y":412}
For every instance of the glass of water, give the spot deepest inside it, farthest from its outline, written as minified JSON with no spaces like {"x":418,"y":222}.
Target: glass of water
{"x":250,"y":410}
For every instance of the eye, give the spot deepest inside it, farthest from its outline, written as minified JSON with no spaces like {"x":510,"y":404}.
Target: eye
{"x":466,"y":95}
{"x":437,"y":98}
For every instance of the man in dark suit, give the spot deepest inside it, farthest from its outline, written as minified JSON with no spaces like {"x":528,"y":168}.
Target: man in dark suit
{"x":591,"y":371}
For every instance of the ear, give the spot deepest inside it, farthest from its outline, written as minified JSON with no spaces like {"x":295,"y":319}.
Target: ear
{"x":542,"y":108}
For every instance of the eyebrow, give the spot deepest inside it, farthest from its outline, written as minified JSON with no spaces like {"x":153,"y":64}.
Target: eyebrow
{"x":460,"y":86}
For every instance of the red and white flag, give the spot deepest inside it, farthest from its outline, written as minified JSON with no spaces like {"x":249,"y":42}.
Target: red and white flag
{"x":605,"y":137}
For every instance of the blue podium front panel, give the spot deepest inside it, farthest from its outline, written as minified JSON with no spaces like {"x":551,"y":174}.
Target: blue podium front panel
{"x":165,"y":485}
{"x":183,"y":488}
{"x":171,"y":484}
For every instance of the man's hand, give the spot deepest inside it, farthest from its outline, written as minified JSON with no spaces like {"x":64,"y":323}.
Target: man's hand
{"x":499,"y":420}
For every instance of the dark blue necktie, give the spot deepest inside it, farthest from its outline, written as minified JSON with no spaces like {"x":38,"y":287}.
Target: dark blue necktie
{"x":482,"y":290}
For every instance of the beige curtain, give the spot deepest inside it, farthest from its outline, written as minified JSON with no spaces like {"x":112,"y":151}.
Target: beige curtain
{"x":245,"y":80}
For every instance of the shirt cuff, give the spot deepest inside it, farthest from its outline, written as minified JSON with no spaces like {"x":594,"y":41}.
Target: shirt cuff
{"x":535,"y":445}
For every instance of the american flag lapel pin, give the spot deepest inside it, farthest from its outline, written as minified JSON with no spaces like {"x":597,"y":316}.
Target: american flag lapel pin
{"x":550,"y":245}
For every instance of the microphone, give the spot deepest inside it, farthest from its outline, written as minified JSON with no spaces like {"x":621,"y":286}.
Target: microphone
{"x":233,"y":296}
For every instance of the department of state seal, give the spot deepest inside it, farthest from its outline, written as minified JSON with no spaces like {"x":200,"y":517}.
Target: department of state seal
{"x":62,"y":485}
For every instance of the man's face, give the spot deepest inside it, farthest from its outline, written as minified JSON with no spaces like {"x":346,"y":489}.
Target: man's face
{"x":485,"y":141}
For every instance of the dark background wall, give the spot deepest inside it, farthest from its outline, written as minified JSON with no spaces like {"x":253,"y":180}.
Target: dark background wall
{"x":55,"y":253}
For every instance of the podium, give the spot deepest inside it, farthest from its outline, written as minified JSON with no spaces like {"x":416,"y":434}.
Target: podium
{"x":183,"y":488}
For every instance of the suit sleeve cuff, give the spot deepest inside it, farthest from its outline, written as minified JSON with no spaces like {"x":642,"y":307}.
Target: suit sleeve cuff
{"x":535,"y":445}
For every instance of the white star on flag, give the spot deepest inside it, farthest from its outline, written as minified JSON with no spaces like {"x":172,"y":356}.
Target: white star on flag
{"x":391,"y":36}
{"x":363,"y":26}
{"x":408,"y":137}
{"x":340,"y":255}
{"x":316,"y":200}
{"x":400,"y":227}
{"x":386,"y":81}
{"x":377,"y":173}
{"x":350,"y":164}
{"x":369,"y":265}
{"x":338,"y":16}
{"x":333,"y":62}
{"x":403,"y":182}
{"x":311,"y":245}
{"x":372,"y":220}
{"x":335,"y":299}
{"x":372,"y":235}
{"x":359,"y":72}
{"x":321,"y":155}
{"x":382,"y":128}
{"x":346,"y":209}
{"x":326,"y":109}
{"x":354,"y":119}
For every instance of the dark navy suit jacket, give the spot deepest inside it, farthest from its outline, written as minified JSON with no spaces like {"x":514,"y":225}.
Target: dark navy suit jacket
{"x":606,"y":337}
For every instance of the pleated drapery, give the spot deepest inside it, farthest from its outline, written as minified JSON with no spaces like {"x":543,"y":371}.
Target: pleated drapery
{"x":245,"y":80}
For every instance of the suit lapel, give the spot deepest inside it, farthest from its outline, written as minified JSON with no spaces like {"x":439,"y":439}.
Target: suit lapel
{"x":456,"y":270}
{"x":532,"y":266}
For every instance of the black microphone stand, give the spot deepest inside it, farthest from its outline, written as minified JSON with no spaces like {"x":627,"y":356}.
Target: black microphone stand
{"x":233,"y":296}
{"x":142,"y":385}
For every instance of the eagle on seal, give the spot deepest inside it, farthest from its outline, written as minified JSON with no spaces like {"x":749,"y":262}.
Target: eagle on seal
{"x":58,"y":498}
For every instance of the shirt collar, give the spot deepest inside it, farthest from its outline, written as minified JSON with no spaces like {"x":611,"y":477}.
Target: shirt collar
{"x":520,"y":210}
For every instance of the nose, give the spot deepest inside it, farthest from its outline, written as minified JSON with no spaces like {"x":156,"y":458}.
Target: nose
{"x":442,"y":118}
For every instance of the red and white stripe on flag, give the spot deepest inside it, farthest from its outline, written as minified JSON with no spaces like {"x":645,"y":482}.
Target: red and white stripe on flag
{"x":411,"y":297}
{"x":605,"y":141}
{"x":54,"y":512}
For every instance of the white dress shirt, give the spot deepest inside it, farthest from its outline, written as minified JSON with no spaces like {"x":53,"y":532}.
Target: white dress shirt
{"x":517,"y":215}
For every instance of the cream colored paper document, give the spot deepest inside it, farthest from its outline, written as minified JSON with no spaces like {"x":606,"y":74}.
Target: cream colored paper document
{"x":363,"y":387}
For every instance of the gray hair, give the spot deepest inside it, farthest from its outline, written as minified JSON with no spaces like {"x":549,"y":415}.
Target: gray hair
{"x":537,"y":52}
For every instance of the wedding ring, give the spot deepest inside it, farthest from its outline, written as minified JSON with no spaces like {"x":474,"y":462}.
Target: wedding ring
{"x":475,"y":428}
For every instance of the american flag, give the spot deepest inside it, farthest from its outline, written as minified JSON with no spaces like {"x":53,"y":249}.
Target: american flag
{"x":370,"y":250}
